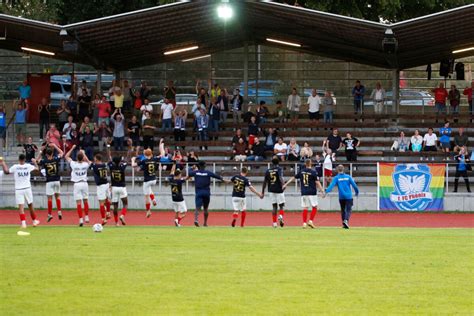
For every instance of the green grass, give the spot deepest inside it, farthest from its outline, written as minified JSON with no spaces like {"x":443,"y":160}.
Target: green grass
{"x":150,"y":270}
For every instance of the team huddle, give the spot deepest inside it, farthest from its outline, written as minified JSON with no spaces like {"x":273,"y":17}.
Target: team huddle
{"x":111,"y":193}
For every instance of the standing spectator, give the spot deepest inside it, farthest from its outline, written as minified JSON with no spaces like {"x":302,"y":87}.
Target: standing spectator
{"x":314,"y":103}
{"x":30,"y":150}
{"x":104,"y":110}
{"x":454,"y":97}
{"x":358,"y":92}
{"x":87,"y":142}
{"x":112,"y":90}
{"x":262,"y":113}
{"x":280,"y":149}
{"x":103,"y":133}
{"x":3,"y":128}
{"x":146,"y":107}
{"x":256,"y":151}
{"x":137,"y":104}
{"x":460,"y":140}
{"x":133,"y":129}
{"x":95,"y":108}
{"x":127,"y":96}
{"x":72,"y":105}
{"x":378,"y":96}
{"x":329,"y":104}
{"x":148,"y":131}
{"x":119,"y":129}
{"x":223,"y":102}
{"x":281,"y":113}
{"x":293,"y":104}
{"x":445,"y":138}
{"x":237,"y":102}
{"x":351,"y":144}
{"x":53,"y":135}
{"x":440,"y":95}
{"x":69,"y":127}
{"x":462,"y":167}
{"x":84,"y":105}
{"x":253,"y":130}
{"x":144,"y":91}
{"x":214,"y":117}
{"x":333,"y":142}
{"x":329,"y":158}
{"x":270,"y":139}
{"x":196,"y":110}
{"x":203,"y":125}
{"x":429,"y":142}
{"x":170,"y":93}
{"x":306,"y":152}
{"x":25,"y":91}
{"x":20,"y":122}
{"x":240,"y":150}
{"x":401,"y":143}
{"x":83,"y":90}
{"x":293,"y":150}
{"x":43,"y":110}
{"x":118,"y":99}
{"x":238,"y":134}
{"x":166,"y":116}
{"x":215,"y":90}
{"x":416,"y":141}
{"x":468,"y":92}
{"x":63,"y":112}
{"x":318,"y":165}
{"x":202,"y":93}
{"x":180,"y":126}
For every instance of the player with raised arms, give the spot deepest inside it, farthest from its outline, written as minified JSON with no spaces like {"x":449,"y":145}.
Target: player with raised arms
{"x":344,"y":183}
{"x":81,"y":187}
{"x":50,"y":163}
{"x":274,"y":181}
{"x":239,"y":202}
{"x":179,"y":204}
{"x":101,"y":178}
{"x":202,"y":183}
{"x":309,"y":185}
{"x":22,"y":175}
{"x":119,"y":191}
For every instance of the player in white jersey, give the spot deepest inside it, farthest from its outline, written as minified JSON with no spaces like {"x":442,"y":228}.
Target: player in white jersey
{"x":79,"y":177}
{"x":22,"y":173}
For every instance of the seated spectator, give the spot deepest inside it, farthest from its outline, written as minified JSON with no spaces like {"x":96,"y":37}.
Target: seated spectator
{"x":328,"y":106}
{"x":401,"y":143}
{"x":20,"y":123}
{"x":104,"y":110}
{"x":462,"y":167}
{"x":240,"y":150}
{"x":429,"y":141}
{"x":454,"y":97}
{"x":306,"y":152}
{"x":146,"y":107}
{"x":118,"y":133}
{"x":63,"y":113}
{"x":460,"y":140}
{"x":203,"y":126}
{"x":416,"y":141}
{"x":192,"y":157}
{"x":86,"y":123}
{"x":69,"y":127}
{"x":281,"y":113}
{"x":104,"y":134}
{"x":87,"y":142}
{"x":256,"y":151}
{"x":262,"y":113}
{"x":280,"y":149}
{"x":329,"y":158}
{"x":237,"y":136}
{"x":180,"y":125}
{"x":53,"y":135}
{"x":333,"y":142}
{"x":351,"y":144}
{"x":293,"y":150}
{"x":214,"y":117}
{"x":445,"y":139}
{"x":253,"y":129}
{"x":270,"y":139}
{"x":148,"y":131}
{"x":30,"y":150}
{"x":166,"y":115}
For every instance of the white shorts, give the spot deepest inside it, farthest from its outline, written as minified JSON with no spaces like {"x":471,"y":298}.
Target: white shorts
{"x":53,"y":187}
{"x":103,"y":192}
{"x":24,"y":195}
{"x":81,"y":191}
{"x":240,"y":204}
{"x":147,"y":187}
{"x":118,"y":193}
{"x":180,"y":207}
{"x":309,"y":200}
{"x":278,"y":198}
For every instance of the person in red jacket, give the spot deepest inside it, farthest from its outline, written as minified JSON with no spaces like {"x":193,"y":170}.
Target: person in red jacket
{"x":468,"y":92}
{"x":440,"y":94}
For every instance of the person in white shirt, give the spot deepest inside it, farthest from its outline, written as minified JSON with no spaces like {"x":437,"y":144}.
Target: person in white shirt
{"x":167,"y":115}
{"x":429,"y":142}
{"x":22,"y":173}
{"x":314,"y":102}
{"x":293,"y":104}
{"x":378,"y":97}
{"x":329,"y":158}
{"x":79,"y":170}
{"x":146,"y":107}
{"x":280,"y":149}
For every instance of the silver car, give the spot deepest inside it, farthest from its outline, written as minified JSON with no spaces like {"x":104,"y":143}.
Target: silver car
{"x":408,"y":97}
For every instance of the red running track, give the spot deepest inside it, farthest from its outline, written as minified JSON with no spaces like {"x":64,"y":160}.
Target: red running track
{"x":433,"y":220}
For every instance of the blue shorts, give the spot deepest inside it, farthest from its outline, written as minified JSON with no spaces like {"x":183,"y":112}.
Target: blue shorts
{"x":202,"y":200}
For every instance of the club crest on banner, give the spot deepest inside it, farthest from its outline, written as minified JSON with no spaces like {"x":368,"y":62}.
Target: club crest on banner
{"x":411,"y":187}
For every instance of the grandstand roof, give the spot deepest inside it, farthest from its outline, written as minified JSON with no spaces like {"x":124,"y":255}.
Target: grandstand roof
{"x":140,"y":38}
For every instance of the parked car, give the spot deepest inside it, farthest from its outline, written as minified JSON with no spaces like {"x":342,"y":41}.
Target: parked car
{"x":59,"y":90}
{"x":266,"y":90}
{"x":181,"y":99}
{"x":408,"y":97}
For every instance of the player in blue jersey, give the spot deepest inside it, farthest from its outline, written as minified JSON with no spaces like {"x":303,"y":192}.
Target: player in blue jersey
{"x":101,"y":178}
{"x":309,"y":188}
{"x":179,"y":204}
{"x":119,"y":191}
{"x":149,"y":165}
{"x":50,"y":164}
{"x":274,"y":181}
{"x":239,"y":203}
{"x":202,"y":182}
{"x":344,"y":183}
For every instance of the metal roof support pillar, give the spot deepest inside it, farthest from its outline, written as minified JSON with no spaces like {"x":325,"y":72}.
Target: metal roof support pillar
{"x":246,"y":72}
{"x":396,"y":92}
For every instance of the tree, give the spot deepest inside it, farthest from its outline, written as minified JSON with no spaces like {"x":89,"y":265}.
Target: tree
{"x":40,"y":10}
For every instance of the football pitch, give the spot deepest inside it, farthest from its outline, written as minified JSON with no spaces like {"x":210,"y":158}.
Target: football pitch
{"x":255,"y":270}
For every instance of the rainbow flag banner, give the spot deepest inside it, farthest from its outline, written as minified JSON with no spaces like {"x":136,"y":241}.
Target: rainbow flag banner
{"x":411,"y":187}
